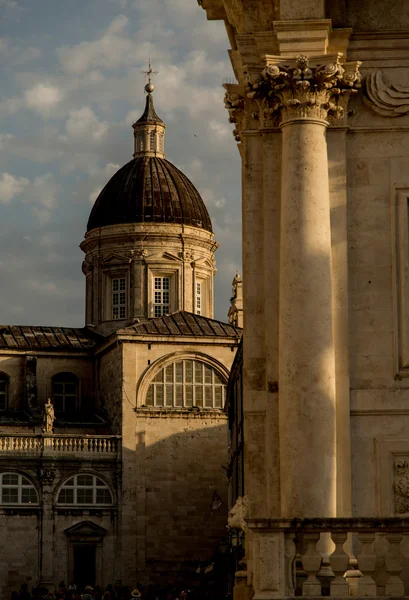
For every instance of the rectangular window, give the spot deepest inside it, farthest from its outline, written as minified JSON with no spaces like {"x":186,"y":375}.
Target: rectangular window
{"x":161,"y":296}
{"x":119,"y":298}
{"x":198,"y":298}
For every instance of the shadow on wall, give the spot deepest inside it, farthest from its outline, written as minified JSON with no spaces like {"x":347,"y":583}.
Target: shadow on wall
{"x":169,"y":526}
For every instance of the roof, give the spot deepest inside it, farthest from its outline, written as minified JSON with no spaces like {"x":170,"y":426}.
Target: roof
{"x":19,"y":337}
{"x":183,"y":323}
{"x":149,"y":114}
{"x":149,"y":189}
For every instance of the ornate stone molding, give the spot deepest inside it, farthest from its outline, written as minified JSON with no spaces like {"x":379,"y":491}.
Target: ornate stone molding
{"x":234,"y":103}
{"x":401,"y":486}
{"x":296,"y":89}
{"x":388,"y":101}
{"x":46,"y":476}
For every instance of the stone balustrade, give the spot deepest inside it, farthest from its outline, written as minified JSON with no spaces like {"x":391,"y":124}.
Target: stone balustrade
{"x":107,"y":445}
{"x":359,"y":557}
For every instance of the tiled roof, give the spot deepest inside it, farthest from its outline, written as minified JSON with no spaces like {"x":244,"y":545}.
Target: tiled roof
{"x":185,"y":324}
{"x":19,"y":337}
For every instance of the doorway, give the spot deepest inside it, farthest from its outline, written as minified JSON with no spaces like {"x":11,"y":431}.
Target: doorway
{"x":84,"y":565}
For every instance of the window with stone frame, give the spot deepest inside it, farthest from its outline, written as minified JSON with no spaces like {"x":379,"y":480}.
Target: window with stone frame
{"x":17,"y":489}
{"x":187,"y":383}
{"x":65,"y":393}
{"x":119,"y":292}
{"x":4,"y":391}
{"x":198,"y":297}
{"x":85,"y":489}
{"x":140,"y":141}
{"x":161,"y":296}
{"x":152,"y":141}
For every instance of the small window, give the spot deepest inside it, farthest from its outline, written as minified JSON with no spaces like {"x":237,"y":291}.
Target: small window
{"x":152,"y":141}
{"x":161,"y":140}
{"x":187,"y":383}
{"x":119,"y":298}
{"x":139,"y":141}
{"x":161,"y":296}
{"x":85,"y":489}
{"x":198,"y":298}
{"x":4,"y":391}
{"x":17,"y":489}
{"x":65,"y":393}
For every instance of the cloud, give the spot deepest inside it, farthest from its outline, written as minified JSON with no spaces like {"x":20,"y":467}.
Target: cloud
{"x":114,"y":49}
{"x":103,"y":176}
{"x":41,"y":193}
{"x":11,"y":186}
{"x":83,"y":125}
{"x":43,"y":97}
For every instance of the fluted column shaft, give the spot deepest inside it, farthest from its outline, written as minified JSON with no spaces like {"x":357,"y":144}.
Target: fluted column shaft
{"x":306,"y":361}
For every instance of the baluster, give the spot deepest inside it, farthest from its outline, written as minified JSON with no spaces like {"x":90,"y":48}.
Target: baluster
{"x":339,"y":560}
{"x":311,"y":562}
{"x":68,"y":442}
{"x":103,"y":443}
{"x":366,"y":564}
{"x":290,"y":551}
{"x":394,"y":565}
{"x":89,"y":446}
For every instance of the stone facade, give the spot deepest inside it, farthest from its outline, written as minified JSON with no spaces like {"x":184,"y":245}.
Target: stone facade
{"x":321,"y":121}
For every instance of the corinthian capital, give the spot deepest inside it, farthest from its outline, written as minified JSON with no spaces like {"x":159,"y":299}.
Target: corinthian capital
{"x":294,"y":89}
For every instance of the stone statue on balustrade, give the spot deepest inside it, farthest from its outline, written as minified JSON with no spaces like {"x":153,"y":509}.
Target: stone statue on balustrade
{"x":48,"y":417}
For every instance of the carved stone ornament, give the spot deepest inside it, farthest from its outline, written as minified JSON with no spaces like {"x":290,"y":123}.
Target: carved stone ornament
{"x":294,"y":89}
{"x":235,"y":106}
{"x":46,"y":476}
{"x":238,"y":514}
{"x":401,"y":486}
{"x":388,"y":101}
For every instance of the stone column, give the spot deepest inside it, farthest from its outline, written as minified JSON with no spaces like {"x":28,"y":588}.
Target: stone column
{"x":301,"y":97}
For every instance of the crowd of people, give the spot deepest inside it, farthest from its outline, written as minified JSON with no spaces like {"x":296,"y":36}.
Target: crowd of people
{"x":111,"y":592}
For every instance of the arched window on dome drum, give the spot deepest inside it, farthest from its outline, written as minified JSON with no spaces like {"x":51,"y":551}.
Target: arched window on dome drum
{"x":4,"y":391}
{"x":160,"y":141}
{"x":85,"y":489}
{"x":152,"y":141}
{"x":139,"y":141}
{"x":17,"y":489}
{"x":187,"y":383}
{"x":65,"y":388}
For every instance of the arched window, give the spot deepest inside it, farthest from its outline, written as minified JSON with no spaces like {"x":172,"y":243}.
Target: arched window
{"x":139,"y":141}
{"x":17,"y":489}
{"x":65,"y":393}
{"x":85,"y":489}
{"x":187,"y":383}
{"x":152,"y":141}
{"x":4,"y":391}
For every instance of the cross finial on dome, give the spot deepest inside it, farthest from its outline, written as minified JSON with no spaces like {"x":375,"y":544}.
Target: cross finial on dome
{"x":149,"y":87}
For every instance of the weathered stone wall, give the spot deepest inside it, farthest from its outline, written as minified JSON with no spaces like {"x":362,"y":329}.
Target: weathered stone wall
{"x":110,"y":373}
{"x":19,"y":554}
{"x":172,"y":464}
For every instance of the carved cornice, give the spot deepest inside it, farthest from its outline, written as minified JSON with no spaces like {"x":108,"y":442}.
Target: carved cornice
{"x":298,"y":90}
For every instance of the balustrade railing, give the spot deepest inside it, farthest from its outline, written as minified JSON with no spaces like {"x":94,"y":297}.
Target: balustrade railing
{"x":340,"y":558}
{"x":58,"y":444}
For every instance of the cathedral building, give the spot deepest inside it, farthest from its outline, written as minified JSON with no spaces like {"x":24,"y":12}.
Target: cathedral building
{"x":113,"y":436}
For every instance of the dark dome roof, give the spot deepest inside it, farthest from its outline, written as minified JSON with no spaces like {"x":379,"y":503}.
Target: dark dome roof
{"x":149,"y":190}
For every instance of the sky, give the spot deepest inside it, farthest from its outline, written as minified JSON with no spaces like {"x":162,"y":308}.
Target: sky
{"x":70,"y":88}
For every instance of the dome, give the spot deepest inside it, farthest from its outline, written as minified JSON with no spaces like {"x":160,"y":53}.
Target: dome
{"x":149,"y":189}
